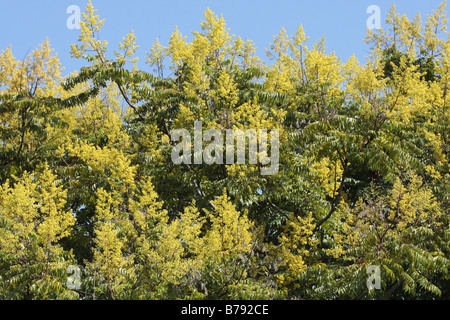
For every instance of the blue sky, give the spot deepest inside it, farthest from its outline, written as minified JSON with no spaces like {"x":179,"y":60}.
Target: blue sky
{"x":26,"y":23}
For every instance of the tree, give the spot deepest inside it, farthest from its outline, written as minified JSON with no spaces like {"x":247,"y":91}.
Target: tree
{"x":87,"y":176}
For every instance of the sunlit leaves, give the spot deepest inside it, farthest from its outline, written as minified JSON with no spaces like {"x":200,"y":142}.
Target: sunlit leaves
{"x":363,"y":175}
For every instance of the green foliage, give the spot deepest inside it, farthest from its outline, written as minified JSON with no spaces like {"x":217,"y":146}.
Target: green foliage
{"x":86,"y":176}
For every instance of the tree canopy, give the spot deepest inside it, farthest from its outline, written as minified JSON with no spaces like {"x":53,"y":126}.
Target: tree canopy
{"x":87,"y":178}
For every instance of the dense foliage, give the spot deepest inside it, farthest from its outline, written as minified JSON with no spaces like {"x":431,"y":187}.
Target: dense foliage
{"x":87,"y":179}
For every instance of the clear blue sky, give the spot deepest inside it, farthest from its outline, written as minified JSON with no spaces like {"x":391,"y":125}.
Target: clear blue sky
{"x":26,"y":23}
